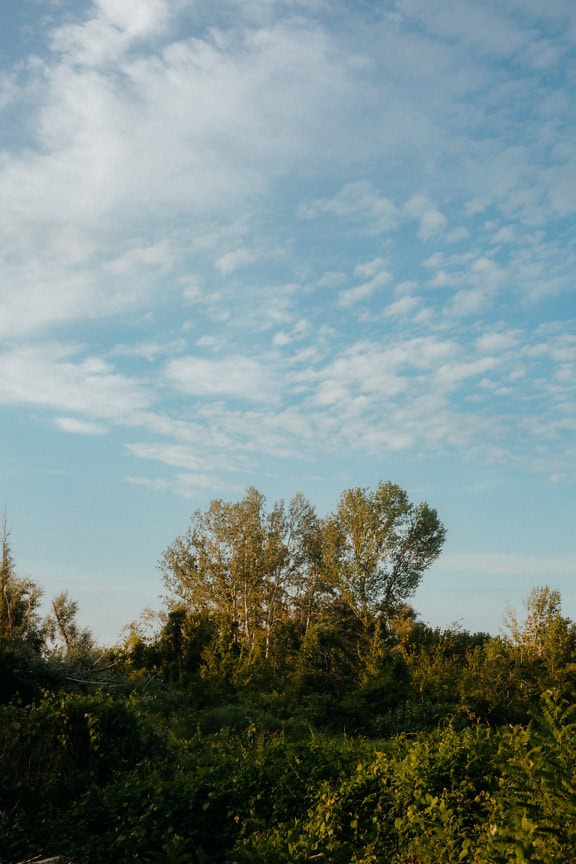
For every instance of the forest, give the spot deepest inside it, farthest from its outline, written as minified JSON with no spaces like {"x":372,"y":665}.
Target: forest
{"x":288,"y":705}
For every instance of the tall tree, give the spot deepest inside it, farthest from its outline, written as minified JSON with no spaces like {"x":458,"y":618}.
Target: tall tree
{"x":377,"y":546}
{"x":19,"y":599}
{"x":247,"y":566}
{"x":295,"y":581}
{"x":253,"y":569}
{"x":217,"y":564}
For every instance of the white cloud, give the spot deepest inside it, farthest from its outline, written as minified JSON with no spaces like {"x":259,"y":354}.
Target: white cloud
{"x":435,"y":261}
{"x":360,"y":203}
{"x":469,"y":301}
{"x":191,"y":288}
{"x":179,"y":455}
{"x":507,"y":234}
{"x":47,"y":375}
{"x":332,"y":279}
{"x":383,"y":373}
{"x":155,"y":483}
{"x":155,"y":163}
{"x":457,"y":235}
{"x":135,"y":17}
{"x":104,"y":38}
{"x":370,"y":268}
{"x":298,"y":332}
{"x":161,"y":254}
{"x":235,"y":376}
{"x":497,"y":341}
{"x":432,"y":221}
{"x":401,"y":289}
{"x":350,"y":296}
{"x":131,"y":130}
{"x":488,"y":29}
{"x":280,"y":339}
{"x":126,"y":135}
{"x":229,"y":262}
{"x":487,"y":270}
{"x":403,"y":306}
{"x":80,"y":427}
{"x":190,"y":485}
{"x":149,"y":350}
{"x":452,"y":374}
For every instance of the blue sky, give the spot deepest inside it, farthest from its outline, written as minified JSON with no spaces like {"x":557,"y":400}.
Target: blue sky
{"x":303,"y":246}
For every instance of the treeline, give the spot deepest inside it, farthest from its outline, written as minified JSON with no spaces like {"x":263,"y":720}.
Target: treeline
{"x":288,"y":706}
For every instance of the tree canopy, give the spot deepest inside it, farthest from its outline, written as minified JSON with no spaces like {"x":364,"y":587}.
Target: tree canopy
{"x":256,"y":569}
{"x":378,"y":545}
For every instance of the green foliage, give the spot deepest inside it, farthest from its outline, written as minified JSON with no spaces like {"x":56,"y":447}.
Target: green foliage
{"x":377,"y":545}
{"x":173,"y":852}
{"x":65,"y":741}
{"x":133,"y":779}
{"x":326,"y":665}
{"x":535,"y":811}
{"x":290,"y":708}
{"x":545,"y":642}
{"x":23,"y":673}
{"x":255,"y":571}
{"x":62,"y":631}
{"x":19,"y":602}
{"x":400,"y":802}
{"x":247,"y":566}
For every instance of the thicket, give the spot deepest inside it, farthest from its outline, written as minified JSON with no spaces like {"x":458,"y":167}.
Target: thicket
{"x":289,"y":706}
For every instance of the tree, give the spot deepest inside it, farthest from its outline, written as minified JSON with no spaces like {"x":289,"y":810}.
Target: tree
{"x":377,"y":546}
{"x":296,"y":586}
{"x":246,"y":566}
{"x":543,"y":624}
{"x":19,"y":600}
{"x":255,"y":570}
{"x":545,"y":639}
{"x":64,"y":631}
{"x":218,"y":563}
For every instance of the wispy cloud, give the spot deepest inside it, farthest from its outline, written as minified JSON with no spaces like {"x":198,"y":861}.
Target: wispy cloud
{"x":179,"y":455}
{"x":236,"y":377}
{"x":431,"y":221}
{"x":52,"y":376}
{"x":80,"y":427}
{"x":365,"y":290}
{"x":358,"y":203}
{"x":316,"y":234}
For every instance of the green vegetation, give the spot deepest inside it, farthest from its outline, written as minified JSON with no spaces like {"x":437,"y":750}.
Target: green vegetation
{"x":289,"y":706}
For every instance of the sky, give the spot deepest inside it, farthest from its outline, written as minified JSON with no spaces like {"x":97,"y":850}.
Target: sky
{"x":301,"y":246}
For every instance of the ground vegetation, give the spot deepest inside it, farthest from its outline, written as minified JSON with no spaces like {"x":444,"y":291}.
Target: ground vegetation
{"x":288,"y":705}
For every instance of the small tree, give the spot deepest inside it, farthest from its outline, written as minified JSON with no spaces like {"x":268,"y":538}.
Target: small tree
{"x":544,"y":638}
{"x":63,"y":630}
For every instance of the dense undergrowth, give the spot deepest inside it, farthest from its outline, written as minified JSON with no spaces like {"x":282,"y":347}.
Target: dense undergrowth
{"x":160,"y":771}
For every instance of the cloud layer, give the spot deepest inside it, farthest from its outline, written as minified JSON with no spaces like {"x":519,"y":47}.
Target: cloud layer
{"x":279,"y":230}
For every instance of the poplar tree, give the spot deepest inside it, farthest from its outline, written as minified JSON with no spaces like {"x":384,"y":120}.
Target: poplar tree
{"x":252,"y":569}
{"x":377,"y":546}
